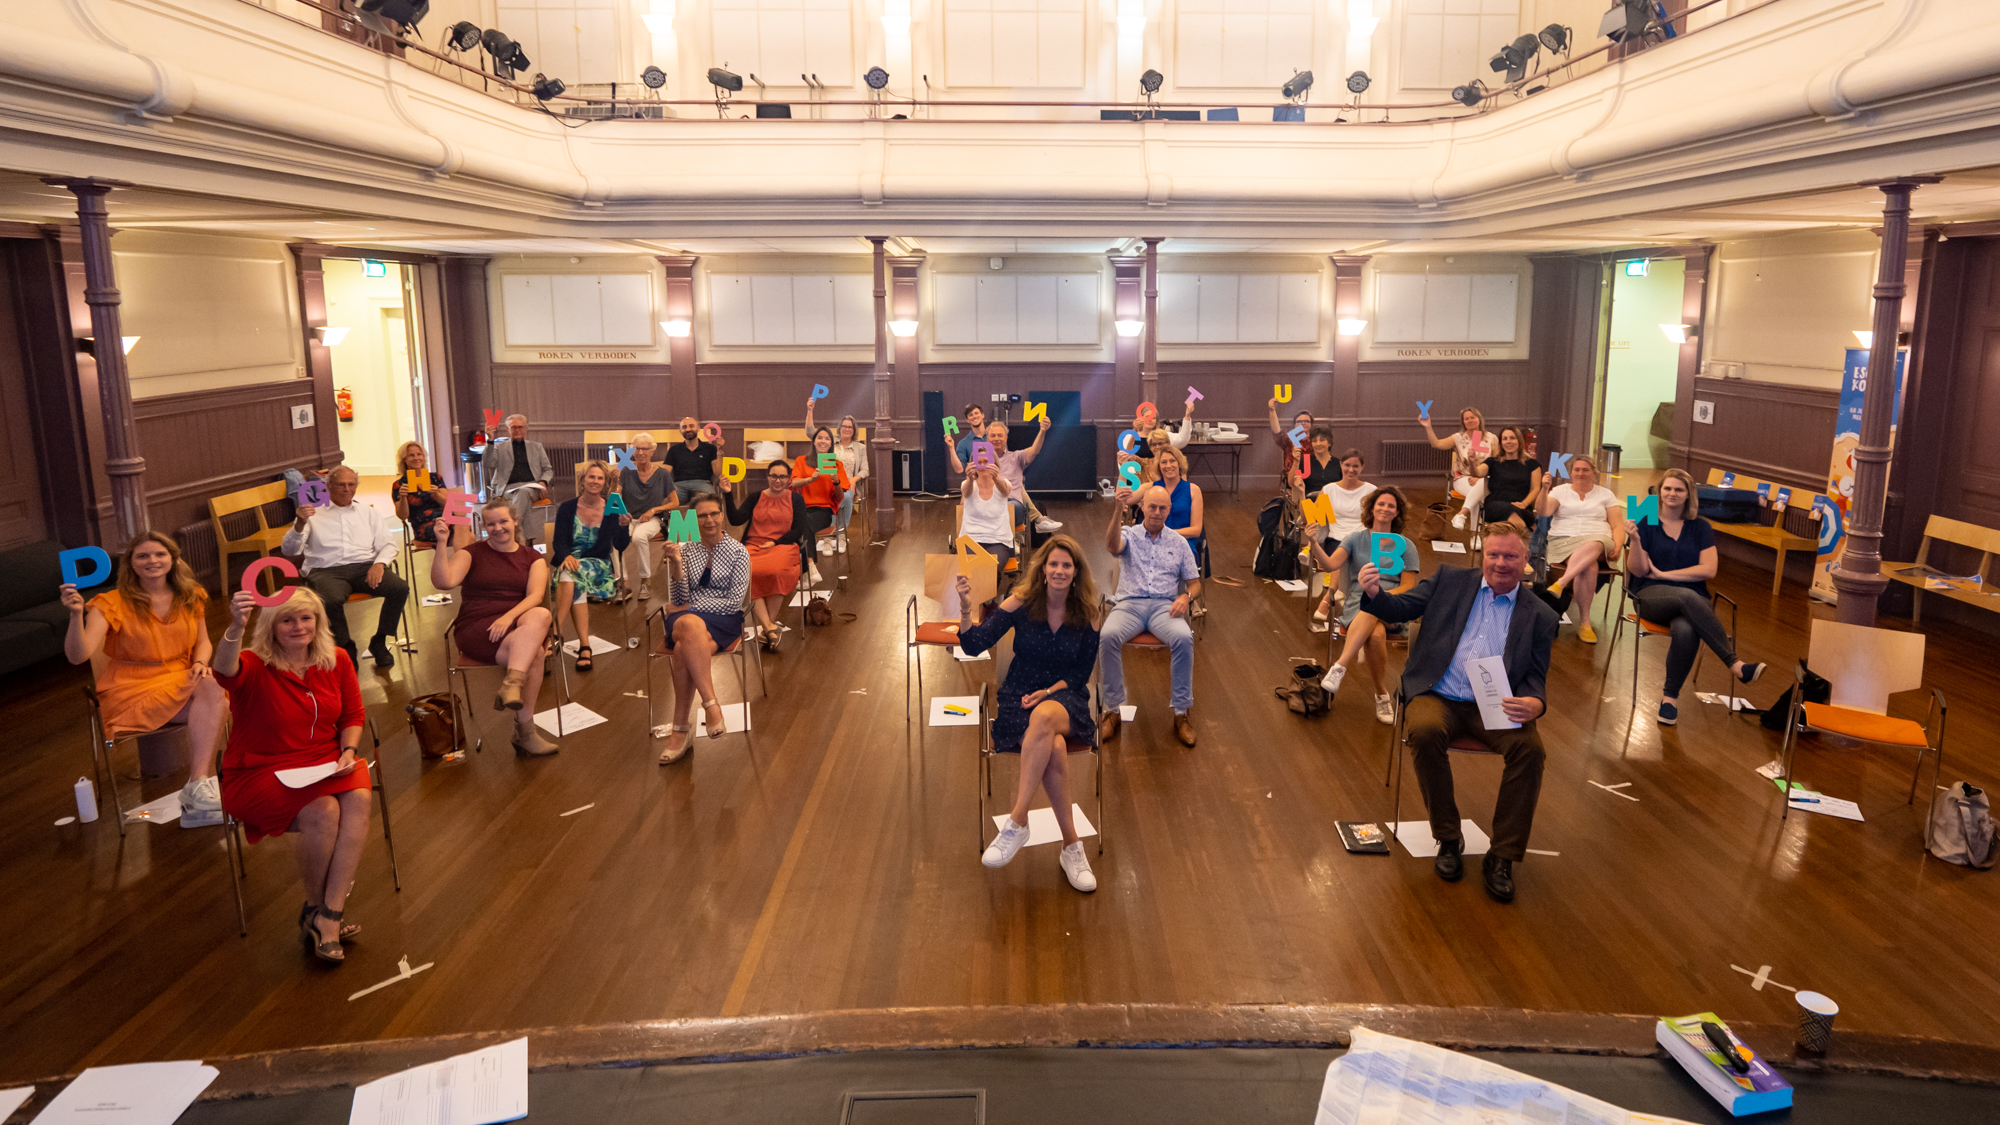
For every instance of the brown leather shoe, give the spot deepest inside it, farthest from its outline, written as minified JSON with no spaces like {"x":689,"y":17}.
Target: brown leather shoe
{"x":529,"y":743}
{"x":508,"y":698}
{"x":1107,"y":726}
{"x":1184,"y":729}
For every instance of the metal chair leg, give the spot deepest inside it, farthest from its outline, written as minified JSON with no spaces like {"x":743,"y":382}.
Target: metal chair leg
{"x":381,"y":786}
{"x":233,"y":858}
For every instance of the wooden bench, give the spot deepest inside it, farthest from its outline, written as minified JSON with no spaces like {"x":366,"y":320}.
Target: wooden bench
{"x":262,"y":541}
{"x":1985,"y":540}
{"x":1772,"y":535}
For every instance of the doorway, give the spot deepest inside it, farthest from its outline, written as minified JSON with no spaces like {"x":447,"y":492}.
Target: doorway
{"x":1642,"y":361}
{"x":377,"y":365}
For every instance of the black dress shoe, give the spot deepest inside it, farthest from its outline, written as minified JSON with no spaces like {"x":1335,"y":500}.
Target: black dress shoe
{"x":1450,"y":861}
{"x":379,"y":649}
{"x":1499,"y":875}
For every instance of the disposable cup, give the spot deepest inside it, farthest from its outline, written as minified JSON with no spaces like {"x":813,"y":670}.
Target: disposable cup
{"x":1816,"y":1014}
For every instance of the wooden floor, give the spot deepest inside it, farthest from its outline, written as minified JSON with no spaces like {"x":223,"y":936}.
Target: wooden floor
{"x":836,"y":867}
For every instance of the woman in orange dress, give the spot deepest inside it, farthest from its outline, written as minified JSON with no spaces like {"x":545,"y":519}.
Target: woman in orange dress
{"x":153,"y":632}
{"x":821,"y":489}
{"x":774,"y":523}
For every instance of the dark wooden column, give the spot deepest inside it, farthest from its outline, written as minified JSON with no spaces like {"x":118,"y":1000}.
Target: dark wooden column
{"x":59,"y":412}
{"x":1128,"y":302}
{"x":311,"y":262}
{"x":122,"y":462}
{"x":883,"y":443}
{"x":905,"y":368}
{"x":1149,"y":379}
{"x":1346,"y":402}
{"x":469,"y":340}
{"x":1858,"y":578}
{"x":683,"y":391}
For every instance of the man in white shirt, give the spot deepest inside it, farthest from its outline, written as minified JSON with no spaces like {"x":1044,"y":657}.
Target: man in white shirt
{"x":347,"y":548}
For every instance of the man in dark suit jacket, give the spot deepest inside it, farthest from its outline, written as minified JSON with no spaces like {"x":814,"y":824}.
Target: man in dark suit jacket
{"x":1469,"y":614}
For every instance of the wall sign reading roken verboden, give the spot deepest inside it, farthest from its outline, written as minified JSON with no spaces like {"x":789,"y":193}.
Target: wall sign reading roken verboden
{"x":1444,"y":353}
{"x":588,"y":355}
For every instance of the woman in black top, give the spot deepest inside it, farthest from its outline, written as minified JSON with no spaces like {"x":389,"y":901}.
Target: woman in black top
{"x":422,"y":505}
{"x":1668,"y":564}
{"x":1513,"y":480}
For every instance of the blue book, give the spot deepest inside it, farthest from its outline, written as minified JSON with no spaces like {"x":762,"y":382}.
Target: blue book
{"x":1756,"y":1089}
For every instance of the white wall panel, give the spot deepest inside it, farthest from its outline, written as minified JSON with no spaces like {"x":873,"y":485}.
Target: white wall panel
{"x":1446,"y":42}
{"x":955,"y":308}
{"x":1013,"y":308}
{"x":853,"y":308}
{"x":1035,"y":312}
{"x":996,"y":302}
{"x":574,"y":40}
{"x":1399,"y":307}
{"x":1239,"y":43}
{"x":627,"y":301}
{"x":771,"y":308}
{"x":1298,"y":307}
{"x":812,"y":310}
{"x":730,"y":320}
{"x":1257,"y":308}
{"x":1494,"y":307}
{"x":1215,"y":322}
{"x":579,"y":308}
{"x":778,"y":40}
{"x":1447,"y":306}
{"x":1227,"y":308}
{"x":1077,"y":320}
{"x":1180,"y":306}
{"x":1014,"y":43}
{"x":526,"y":306}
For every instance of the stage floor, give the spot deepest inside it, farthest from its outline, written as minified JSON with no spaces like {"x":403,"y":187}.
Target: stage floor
{"x":829,"y":869}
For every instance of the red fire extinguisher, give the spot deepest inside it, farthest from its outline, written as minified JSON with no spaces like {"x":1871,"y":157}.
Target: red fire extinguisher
{"x":343,"y":404}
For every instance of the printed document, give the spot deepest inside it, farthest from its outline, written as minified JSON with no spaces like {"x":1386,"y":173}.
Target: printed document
{"x":472,"y":1089}
{"x":1488,"y":675}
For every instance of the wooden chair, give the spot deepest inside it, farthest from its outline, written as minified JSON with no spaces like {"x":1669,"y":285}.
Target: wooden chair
{"x":988,"y":749}
{"x":736,"y":648}
{"x":1771,"y":535}
{"x":261,"y":542}
{"x":1399,"y":738}
{"x":459,"y":684}
{"x":1865,"y":666}
{"x":1628,"y":609}
{"x":1985,"y":540}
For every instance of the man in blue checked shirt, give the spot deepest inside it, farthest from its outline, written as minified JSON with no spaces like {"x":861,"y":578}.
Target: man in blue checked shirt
{"x":1156,"y":561}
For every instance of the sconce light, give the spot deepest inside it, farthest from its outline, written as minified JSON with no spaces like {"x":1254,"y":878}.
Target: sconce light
{"x":88,"y":344}
{"x":903,"y":328}
{"x":329,"y":337}
{"x":1350,"y":326}
{"x":1130,"y":328}
{"x":1681,"y":333}
{"x":678,"y":329}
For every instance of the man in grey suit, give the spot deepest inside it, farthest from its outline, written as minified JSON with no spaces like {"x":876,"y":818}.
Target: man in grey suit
{"x":1469,"y":614}
{"x":518,"y":469}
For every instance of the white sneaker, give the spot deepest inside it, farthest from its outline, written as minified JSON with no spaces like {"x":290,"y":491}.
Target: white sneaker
{"x":1333,"y":677}
{"x":840,"y":543}
{"x":815,"y":579}
{"x":201,"y":802}
{"x":1385,"y":711}
{"x":1077,"y":868}
{"x":1001,"y":851}
{"x":1045,"y":525}
{"x":1458,"y":521}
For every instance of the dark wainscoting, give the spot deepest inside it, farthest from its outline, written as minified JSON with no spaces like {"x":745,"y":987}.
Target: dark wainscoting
{"x":1772,"y":431}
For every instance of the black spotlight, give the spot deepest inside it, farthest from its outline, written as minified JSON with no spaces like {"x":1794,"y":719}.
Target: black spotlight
{"x":392,"y":17}
{"x":725,"y":80}
{"x":1150,"y":82}
{"x":546,"y":88}
{"x":1357,"y":82}
{"x":877,"y":78}
{"x":1295,"y":89}
{"x":1513,"y":58}
{"x":1626,"y":20}
{"x":462,"y":36}
{"x":1469,"y":94}
{"x":1555,"y":37}
{"x":653,"y":77}
{"x":508,"y":57}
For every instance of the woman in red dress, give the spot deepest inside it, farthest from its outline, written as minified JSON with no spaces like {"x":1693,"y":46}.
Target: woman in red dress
{"x":295,"y":702}
{"x":500,"y":615}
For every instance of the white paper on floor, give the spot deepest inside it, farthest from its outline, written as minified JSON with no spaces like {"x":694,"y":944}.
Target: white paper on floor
{"x":1447,"y":547}
{"x":1566,"y":620}
{"x":11,"y":1100}
{"x":1805,"y":800}
{"x":575,"y":717}
{"x":1042,"y":827}
{"x":803,"y":597}
{"x":1416,"y":838}
{"x":945,"y":710}
{"x":437,"y":599}
{"x":735,"y":720}
{"x":1734,"y":703}
{"x":958,"y":654}
{"x":162,"y":811}
{"x":750,"y":631}
{"x":1291,"y":585}
{"x":1773,"y":769}
{"x":598,"y":647}
{"x":1128,"y":711}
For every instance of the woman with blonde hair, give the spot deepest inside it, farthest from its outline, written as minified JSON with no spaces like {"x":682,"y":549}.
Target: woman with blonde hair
{"x":1469,"y":446}
{"x":1586,"y":527}
{"x":648,"y":491}
{"x":580,"y":554}
{"x":1044,"y":703}
{"x":421,"y":502}
{"x":296,"y":703}
{"x":500,"y":615}
{"x":153,"y":632}
{"x":1668,"y":565}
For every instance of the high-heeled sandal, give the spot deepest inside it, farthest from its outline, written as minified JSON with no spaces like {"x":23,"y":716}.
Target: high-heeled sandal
{"x":348,"y":931}
{"x":674,"y":754}
{"x":712,"y":715}
{"x":315,"y":945}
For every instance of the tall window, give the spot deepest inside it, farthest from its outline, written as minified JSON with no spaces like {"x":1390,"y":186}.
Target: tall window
{"x":574,"y":40}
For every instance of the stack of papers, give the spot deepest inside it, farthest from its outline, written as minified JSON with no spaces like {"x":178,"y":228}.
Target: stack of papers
{"x":138,"y":1094}
{"x":470,"y":1089}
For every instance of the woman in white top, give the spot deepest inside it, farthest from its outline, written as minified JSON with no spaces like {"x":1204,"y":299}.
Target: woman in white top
{"x":1349,"y":496}
{"x":854,"y":458}
{"x":1470,"y":445}
{"x":1587,"y":525}
{"x":985,"y":514}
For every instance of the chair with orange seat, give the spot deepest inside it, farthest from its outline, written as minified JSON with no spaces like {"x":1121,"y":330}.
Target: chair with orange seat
{"x":1628,"y":610}
{"x":1865,"y":666}
{"x":916,"y":634}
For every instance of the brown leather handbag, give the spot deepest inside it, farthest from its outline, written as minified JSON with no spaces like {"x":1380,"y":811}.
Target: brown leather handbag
{"x":435,"y":723}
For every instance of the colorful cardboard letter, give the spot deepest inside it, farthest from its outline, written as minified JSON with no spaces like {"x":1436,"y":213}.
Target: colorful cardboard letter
{"x":458,"y":507}
{"x":614,"y":505}
{"x":415,"y":480}
{"x":270,"y":562}
{"x":1281,"y":391}
{"x":493,"y":421}
{"x":1133,"y":447}
{"x":681,"y":526}
{"x":314,"y":492}
{"x":97,"y":557}
{"x":1148,"y":415}
{"x":1194,"y":396}
{"x":1298,"y":435}
{"x":712,"y":433}
{"x":1643,"y":509}
{"x":829,"y":465}
{"x":621,"y":459}
{"x":1559,"y":465}
{"x":1424,"y":409}
{"x":734,"y":469}
{"x":1386,"y":552}
{"x":982,"y":453}
{"x":819,"y":390}
{"x":1030,"y":411}
{"x":950,"y":426}
{"x":1317,"y":509}
{"x":1128,"y":474}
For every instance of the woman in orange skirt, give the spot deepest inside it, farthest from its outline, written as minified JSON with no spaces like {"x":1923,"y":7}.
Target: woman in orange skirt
{"x":773,"y":526}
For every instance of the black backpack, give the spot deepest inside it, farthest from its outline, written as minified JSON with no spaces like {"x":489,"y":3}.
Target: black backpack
{"x":1277,"y":553}
{"x":1818,"y":689}
{"x":1271,"y":518}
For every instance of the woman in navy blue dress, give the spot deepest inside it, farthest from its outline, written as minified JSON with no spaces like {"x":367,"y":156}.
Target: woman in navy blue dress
{"x":1044,"y":703}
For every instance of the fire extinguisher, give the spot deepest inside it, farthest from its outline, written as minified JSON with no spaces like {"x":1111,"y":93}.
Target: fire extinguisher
{"x":343,"y":404}
{"x":1530,"y":444}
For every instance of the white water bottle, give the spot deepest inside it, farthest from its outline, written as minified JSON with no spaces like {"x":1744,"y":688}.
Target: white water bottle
{"x":86,"y":800}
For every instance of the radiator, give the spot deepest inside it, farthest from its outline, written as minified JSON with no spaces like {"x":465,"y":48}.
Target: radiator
{"x":197,"y":542}
{"x":1413,"y":457}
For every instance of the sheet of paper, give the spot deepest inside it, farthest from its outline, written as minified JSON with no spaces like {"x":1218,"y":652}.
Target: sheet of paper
{"x":1488,"y":675}
{"x":437,"y":599}
{"x":1291,"y":585}
{"x":1447,"y":547}
{"x":954,"y":710}
{"x":306,"y":775}
{"x":598,"y":647}
{"x":163,"y":811}
{"x":1416,"y":838}
{"x":575,"y":717}
{"x":958,"y":654}
{"x":11,"y":1100}
{"x":471,"y":1089}
{"x":1127,"y":712}
{"x":1805,"y":800}
{"x":138,"y":1094}
{"x":1384,"y":1080}
{"x":735,"y":720}
{"x":1042,"y":828}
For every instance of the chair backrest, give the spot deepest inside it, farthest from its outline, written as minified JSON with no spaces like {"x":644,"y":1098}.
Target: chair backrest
{"x":1865,"y":665}
{"x":1985,"y":540}
{"x":243,"y":500}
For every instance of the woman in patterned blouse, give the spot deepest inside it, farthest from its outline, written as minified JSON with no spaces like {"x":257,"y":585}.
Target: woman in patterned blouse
{"x":707,"y":584}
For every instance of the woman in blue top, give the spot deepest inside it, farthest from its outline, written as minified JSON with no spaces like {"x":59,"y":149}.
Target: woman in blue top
{"x":1668,"y":565}
{"x":582,"y":550}
{"x":1044,"y":703}
{"x":1184,"y":511}
{"x":1386,"y":511}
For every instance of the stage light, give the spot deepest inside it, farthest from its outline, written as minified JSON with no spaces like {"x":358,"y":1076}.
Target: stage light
{"x":877,"y":78}
{"x":392,"y":17}
{"x":1295,"y":90}
{"x":1513,"y":58}
{"x":546,"y":87}
{"x":1357,"y":82}
{"x":724,"y":80}
{"x":653,"y":77}
{"x":1679,"y":333}
{"x":1150,"y":82}
{"x":1867,"y":338}
{"x":1470,"y":93}
{"x":462,"y":36}
{"x":1626,"y":20}
{"x":1556,"y":37}
{"x":328,"y":337}
{"x":678,"y":329}
{"x":508,"y":57}
{"x":1350,"y":326}
{"x":1130,"y":328}
{"x":904,"y":328}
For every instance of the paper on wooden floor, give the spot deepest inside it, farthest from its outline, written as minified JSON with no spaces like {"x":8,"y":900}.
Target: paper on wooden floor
{"x":1805,"y":800}
{"x":136,"y":1094}
{"x":734,"y":720}
{"x":1447,"y":547}
{"x":162,"y":811}
{"x":954,"y":710}
{"x":1416,"y":838}
{"x":476,"y":1088}
{"x":11,"y":1100}
{"x":1291,"y":585}
{"x":575,"y":717}
{"x":1042,"y":827}
{"x":1128,"y":711}
{"x":598,"y":647}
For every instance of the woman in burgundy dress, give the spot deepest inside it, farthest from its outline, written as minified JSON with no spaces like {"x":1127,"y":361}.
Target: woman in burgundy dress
{"x":295,"y":703}
{"x":500,"y":614}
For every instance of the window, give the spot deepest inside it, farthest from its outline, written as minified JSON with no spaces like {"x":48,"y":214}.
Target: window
{"x":576,"y":308}
{"x":1447,"y":42}
{"x":779,"y":40}
{"x":1241,"y":43}
{"x":785,"y":309}
{"x":1013,"y":43}
{"x":1228,"y":308}
{"x":574,"y":40}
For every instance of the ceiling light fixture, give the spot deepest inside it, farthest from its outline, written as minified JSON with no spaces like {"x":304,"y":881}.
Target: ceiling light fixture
{"x":877,"y":78}
{"x":1626,"y":21}
{"x":1513,"y":58}
{"x":1130,"y":328}
{"x":653,"y":77}
{"x":903,"y":328}
{"x":546,"y":87}
{"x":1556,"y":38}
{"x":677,"y":329}
{"x":725,"y":82}
{"x":508,"y":57}
{"x":1150,"y":82}
{"x":1357,"y":82}
{"x":462,"y":36}
{"x":1352,"y":326}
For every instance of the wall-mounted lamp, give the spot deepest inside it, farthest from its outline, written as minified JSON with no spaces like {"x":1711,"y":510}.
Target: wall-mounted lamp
{"x":1130,"y":328}
{"x":678,"y":329}
{"x":1350,"y":326}
{"x":329,"y":337}
{"x":1681,"y":333}
{"x":903,"y":328}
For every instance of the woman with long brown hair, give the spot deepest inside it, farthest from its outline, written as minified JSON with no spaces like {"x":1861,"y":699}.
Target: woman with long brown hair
{"x":1668,"y":564}
{"x":1387,"y":509}
{"x":1044,"y":704}
{"x":153,"y":631}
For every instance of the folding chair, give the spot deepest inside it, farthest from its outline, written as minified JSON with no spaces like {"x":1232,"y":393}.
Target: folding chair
{"x":916,"y":633}
{"x":459,"y":684}
{"x":1399,"y":738}
{"x":1866,"y":666}
{"x":1644,"y":628}
{"x":736,"y":649}
{"x":987,"y":750}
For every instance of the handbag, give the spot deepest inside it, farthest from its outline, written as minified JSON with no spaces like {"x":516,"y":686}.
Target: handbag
{"x":1435,"y":523}
{"x":1962,"y":829}
{"x":434,"y":722}
{"x":1818,"y":690}
{"x":819,"y":611}
{"x":1303,"y":694}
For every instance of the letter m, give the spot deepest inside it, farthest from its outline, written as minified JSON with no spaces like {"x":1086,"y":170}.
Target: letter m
{"x":681,"y":526}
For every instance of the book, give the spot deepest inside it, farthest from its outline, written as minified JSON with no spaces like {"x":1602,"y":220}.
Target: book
{"x":1367,"y":838}
{"x":1756,"y":1090}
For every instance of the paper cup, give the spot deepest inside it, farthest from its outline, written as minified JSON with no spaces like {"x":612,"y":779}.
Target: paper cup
{"x":1816,"y":1014}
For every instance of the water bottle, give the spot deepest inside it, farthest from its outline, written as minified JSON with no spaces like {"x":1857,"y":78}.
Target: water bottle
{"x":86,"y":800}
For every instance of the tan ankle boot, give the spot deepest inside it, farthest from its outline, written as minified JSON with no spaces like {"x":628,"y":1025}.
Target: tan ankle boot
{"x":509,"y":696}
{"x":529,"y":743}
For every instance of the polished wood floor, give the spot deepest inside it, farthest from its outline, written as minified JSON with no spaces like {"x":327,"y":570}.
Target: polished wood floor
{"x":835,"y":866}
